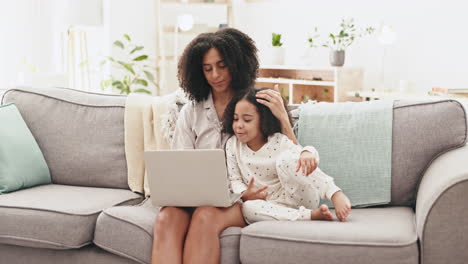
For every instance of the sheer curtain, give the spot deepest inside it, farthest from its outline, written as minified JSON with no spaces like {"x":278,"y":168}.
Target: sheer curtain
{"x":77,"y":59}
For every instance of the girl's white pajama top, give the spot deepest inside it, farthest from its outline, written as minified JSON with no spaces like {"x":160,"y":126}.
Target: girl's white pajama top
{"x":290,"y":195}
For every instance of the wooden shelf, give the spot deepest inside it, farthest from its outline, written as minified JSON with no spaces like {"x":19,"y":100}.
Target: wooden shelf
{"x":298,"y":84}
{"x":293,"y":81}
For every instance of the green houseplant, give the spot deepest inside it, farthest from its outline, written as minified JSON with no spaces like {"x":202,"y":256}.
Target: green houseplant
{"x":138,"y":74}
{"x":338,"y":42}
{"x":313,"y":38}
{"x":276,"y":40}
{"x":277,"y":55}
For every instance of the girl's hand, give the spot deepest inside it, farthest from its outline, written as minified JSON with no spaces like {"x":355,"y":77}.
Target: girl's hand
{"x":307,"y":162}
{"x":254,"y":194}
{"x":273,"y":100}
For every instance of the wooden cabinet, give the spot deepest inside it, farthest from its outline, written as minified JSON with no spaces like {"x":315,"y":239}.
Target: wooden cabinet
{"x":300,"y":84}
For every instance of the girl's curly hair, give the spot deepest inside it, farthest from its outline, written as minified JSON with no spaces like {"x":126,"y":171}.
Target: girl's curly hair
{"x":269,"y":124}
{"x":238,"y":52}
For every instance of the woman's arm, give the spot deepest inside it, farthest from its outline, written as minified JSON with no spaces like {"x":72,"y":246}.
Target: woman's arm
{"x":274,"y":101}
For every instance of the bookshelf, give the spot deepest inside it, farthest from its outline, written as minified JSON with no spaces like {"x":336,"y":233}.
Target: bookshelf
{"x":203,"y":16}
{"x":300,"y":84}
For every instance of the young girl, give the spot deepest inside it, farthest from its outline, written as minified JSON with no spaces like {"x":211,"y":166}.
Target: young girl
{"x":270,"y":162}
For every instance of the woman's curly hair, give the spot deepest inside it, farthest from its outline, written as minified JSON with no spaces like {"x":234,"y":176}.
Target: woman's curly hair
{"x":269,"y":124}
{"x":238,"y":52}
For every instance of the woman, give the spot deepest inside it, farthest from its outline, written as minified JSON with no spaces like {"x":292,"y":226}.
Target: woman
{"x":213,"y":68}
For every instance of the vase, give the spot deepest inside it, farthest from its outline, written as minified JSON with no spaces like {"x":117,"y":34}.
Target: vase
{"x":337,"y":57}
{"x":277,"y":55}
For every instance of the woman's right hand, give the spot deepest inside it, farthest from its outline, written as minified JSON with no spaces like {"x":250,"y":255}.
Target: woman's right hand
{"x":254,"y":194}
{"x":273,"y":100}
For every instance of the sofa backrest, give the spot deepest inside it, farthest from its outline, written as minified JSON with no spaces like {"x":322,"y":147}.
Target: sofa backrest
{"x":82,"y":137}
{"x":80,"y":134}
{"x":422,"y":131}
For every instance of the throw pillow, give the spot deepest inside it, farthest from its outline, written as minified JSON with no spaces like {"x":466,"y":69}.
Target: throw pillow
{"x":22,"y":164}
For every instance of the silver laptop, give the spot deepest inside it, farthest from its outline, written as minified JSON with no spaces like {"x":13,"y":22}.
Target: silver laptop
{"x":189,"y":178}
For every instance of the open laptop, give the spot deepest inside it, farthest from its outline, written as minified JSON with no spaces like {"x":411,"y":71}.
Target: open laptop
{"x":195,"y":177}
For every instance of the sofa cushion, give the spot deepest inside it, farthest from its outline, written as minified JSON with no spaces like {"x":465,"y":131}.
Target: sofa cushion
{"x":128,"y":231}
{"x":422,"y":131}
{"x":22,"y":164}
{"x":80,"y":134}
{"x":56,"y":216}
{"x":371,"y":235}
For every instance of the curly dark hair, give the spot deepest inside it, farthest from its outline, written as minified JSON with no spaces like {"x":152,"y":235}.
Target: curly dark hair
{"x":269,"y":124}
{"x":238,"y":52}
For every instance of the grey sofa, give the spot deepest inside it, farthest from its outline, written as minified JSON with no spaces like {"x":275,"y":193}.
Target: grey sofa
{"x":88,"y":214}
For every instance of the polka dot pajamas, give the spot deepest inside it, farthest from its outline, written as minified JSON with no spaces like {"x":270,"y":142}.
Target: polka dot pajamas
{"x":290,"y":195}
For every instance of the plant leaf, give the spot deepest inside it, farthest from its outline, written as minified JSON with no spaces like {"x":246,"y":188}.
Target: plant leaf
{"x":126,"y":36}
{"x":105,"y":83}
{"x":137,"y":48}
{"x":117,"y":84}
{"x":141,"y":81}
{"x":142,"y":91}
{"x":149,"y":75}
{"x":140,"y":58}
{"x":119,"y":44}
{"x":127,"y":66}
{"x":84,"y":63}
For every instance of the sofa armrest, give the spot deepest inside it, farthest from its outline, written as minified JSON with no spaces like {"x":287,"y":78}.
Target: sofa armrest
{"x":442,"y":209}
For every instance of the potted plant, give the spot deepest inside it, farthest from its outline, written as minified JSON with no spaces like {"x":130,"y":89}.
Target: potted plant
{"x":343,"y":39}
{"x":310,"y":52}
{"x":138,"y":73}
{"x":277,"y":49}
{"x":313,"y":38}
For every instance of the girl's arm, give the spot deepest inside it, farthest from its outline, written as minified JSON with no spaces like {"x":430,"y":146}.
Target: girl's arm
{"x":287,"y":144}
{"x":274,"y":101}
{"x":309,"y":158}
{"x":237,"y":184}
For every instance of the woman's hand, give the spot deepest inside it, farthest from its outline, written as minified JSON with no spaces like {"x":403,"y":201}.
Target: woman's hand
{"x":307,"y":162}
{"x":252,"y":194}
{"x":273,"y":100}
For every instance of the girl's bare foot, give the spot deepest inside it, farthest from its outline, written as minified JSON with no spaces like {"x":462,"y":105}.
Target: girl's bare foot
{"x":322,"y":213}
{"x":342,"y":205}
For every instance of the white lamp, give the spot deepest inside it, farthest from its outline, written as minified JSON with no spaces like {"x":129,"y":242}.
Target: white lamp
{"x":184,"y":23}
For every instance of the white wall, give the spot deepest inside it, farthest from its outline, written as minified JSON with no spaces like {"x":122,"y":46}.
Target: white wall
{"x":430,"y":49}
{"x":31,"y":33}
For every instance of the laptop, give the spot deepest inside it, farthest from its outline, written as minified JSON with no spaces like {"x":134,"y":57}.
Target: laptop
{"x":189,"y":177}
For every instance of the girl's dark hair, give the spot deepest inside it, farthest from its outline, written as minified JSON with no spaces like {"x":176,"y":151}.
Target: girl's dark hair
{"x":269,"y":124}
{"x":238,"y":52}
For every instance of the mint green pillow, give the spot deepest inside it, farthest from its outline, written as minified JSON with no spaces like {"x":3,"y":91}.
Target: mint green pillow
{"x":22,"y":164}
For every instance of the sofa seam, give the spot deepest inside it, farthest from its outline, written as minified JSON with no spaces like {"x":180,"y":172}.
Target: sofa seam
{"x":62,"y":100}
{"x":119,"y":253}
{"x":64,"y":213}
{"x":51,"y":211}
{"x":64,"y":246}
{"x":281,"y":238}
{"x":430,"y":211}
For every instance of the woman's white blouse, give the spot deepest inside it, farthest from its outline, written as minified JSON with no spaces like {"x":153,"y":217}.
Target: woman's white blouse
{"x":198,"y":127}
